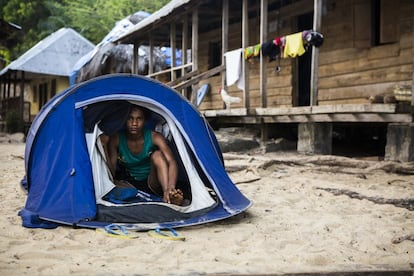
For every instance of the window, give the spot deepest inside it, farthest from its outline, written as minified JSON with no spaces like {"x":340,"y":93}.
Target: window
{"x":376,"y":22}
{"x":385,"y":21}
{"x":53,"y":88}
{"x":42,"y":94}
{"x":214,"y":55}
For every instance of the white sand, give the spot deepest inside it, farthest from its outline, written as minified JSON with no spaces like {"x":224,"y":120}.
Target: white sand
{"x":293,"y":226}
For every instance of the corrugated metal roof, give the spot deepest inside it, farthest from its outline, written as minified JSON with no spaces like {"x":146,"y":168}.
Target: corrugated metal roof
{"x":54,"y":55}
{"x":158,"y":15}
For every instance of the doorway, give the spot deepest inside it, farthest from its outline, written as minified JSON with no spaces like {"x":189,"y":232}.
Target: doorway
{"x":303,"y":66}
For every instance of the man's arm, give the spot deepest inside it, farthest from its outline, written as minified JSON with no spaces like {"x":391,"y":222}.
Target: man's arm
{"x":159,"y":141}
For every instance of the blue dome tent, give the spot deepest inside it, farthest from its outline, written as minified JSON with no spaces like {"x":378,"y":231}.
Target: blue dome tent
{"x":66,"y":175}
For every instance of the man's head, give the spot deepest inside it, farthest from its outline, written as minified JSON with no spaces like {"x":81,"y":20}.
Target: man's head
{"x":136,"y":120}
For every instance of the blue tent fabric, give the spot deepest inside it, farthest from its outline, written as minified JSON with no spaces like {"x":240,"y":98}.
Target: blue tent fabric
{"x":59,"y":176}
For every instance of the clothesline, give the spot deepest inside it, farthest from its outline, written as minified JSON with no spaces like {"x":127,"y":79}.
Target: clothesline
{"x":290,"y":46}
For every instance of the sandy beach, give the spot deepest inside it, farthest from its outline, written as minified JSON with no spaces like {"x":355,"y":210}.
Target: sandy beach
{"x":310,"y":214}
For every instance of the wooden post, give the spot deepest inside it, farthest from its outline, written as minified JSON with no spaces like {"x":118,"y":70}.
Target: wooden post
{"x":412,"y":90}
{"x":245,"y":44}
{"x":21,"y":98}
{"x":263,"y":38}
{"x":184,"y":46}
{"x":317,"y":14}
{"x":263,"y":76}
{"x":194,"y":46}
{"x":15,"y":86}
{"x":173,"y":48}
{"x":315,"y":138}
{"x":194,"y":52}
{"x":224,"y":37}
{"x":3,"y":86}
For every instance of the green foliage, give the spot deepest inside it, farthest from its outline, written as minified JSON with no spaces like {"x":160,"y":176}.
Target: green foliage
{"x":91,"y":18}
{"x":5,"y":54}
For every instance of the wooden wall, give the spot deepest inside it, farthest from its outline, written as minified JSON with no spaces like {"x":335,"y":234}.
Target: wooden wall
{"x":279,"y":84}
{"x":350,"y":69}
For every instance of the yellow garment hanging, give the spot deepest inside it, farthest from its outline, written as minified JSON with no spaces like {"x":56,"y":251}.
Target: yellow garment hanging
{"x":294,"y":45}
{"x":252,"y":51}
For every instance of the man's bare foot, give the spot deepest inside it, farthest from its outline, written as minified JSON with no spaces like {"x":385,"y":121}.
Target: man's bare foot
{"x":176,"y":197}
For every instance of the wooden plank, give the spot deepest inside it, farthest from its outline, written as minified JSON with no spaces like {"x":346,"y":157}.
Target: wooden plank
{"x":375,"y":76}
{"x":328,"y":109}
{"x":237,"y":120}
{"x":339,"y":55}
{"x":350,"y":118}
{"x":199,"y":77}
{"x":348,"y":93}
{"x":282,"y":91}
{"x":274,"y":102}
{"x":273,"y":82}
{"x":352,"y":108}
{"x":170,"y":69}
{"x":383,"y":51}
{"x":225,"y":112}
{"x":345,"y":101}
{"x":364,"y":64}
{"x":406,"y":40}
{"x":283,"y":111}
{"x":182,"y":78}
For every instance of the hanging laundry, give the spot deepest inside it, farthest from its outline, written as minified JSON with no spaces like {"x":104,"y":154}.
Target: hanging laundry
{"x":252,"y":51}
{"x":270,"y":49}
{"x":294,"y":45}
{"x":313,"y":38}
{"x":233,"y":60}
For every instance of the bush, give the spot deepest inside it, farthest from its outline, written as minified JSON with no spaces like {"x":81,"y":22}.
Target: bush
{"x":14,"y":122}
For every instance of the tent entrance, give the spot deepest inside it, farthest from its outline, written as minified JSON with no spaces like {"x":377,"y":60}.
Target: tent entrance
{"x":108,"y":117}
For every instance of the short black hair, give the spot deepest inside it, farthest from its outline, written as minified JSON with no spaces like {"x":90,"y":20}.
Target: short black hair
{"x":144,"y":110}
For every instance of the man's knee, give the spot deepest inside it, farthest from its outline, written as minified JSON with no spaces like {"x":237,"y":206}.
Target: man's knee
{"x":157,"y":157}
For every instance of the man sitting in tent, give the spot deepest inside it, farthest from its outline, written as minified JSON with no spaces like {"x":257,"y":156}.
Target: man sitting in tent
{"x":145,"y":160}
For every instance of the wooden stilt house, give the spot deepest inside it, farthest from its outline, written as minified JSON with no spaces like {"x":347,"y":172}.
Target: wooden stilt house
{"x":362,"y":74}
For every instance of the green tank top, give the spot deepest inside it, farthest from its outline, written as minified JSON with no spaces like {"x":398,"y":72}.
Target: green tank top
{"x":137,"y":165}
